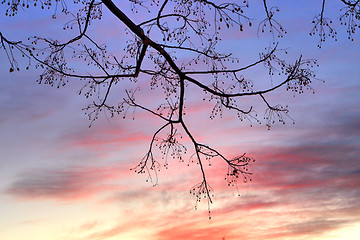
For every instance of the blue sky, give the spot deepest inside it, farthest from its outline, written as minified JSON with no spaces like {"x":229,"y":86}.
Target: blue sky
{"x":60,"y":179}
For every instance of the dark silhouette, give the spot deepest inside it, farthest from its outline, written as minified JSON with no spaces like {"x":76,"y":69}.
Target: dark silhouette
{"x":172,"y":29}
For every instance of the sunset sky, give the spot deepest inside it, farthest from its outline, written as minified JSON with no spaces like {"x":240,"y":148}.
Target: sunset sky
{"x":61,"y":180}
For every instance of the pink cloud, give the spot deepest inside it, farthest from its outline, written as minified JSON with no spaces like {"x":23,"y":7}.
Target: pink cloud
{"x":102,"y":138}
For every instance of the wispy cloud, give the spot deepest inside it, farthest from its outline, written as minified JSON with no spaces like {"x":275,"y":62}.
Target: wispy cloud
{"x":306,"y":228}
{"x":66,"y":184}
{"x":191,"y":230}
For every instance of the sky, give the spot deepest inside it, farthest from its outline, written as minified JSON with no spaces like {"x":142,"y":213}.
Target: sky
{"x":61,"y":179}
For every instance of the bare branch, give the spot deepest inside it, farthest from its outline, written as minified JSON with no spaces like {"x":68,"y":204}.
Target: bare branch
{"x":174,"y":49}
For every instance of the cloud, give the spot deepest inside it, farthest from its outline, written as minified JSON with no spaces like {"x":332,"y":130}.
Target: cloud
{"x":97,"y":139}
{"x":64,"y":184}
{"x":191,"y":230}
{"x":115,"y":135}
{"x":126,"y":226}
{"x":306,"y":228}
{"x":308,"y":187}
{"x":88,"y":226}
{"x":26,"y":103}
